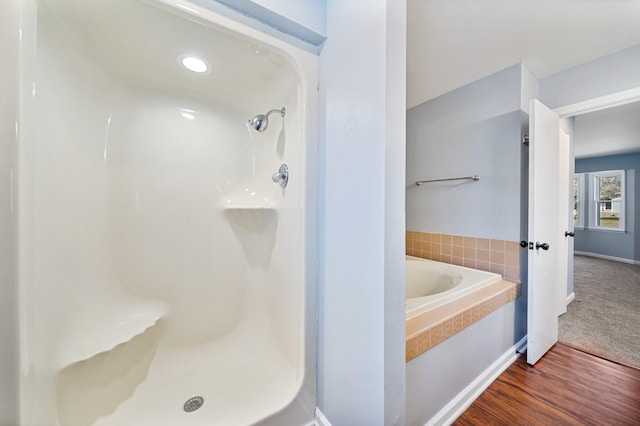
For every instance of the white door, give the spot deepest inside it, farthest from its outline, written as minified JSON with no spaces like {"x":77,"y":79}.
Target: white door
{"x":544,"y":231}
{"x":565,"y":211}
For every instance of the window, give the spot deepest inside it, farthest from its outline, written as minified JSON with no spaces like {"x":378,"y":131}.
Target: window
{"x":578,"y":200}
{"x":608,"y":200}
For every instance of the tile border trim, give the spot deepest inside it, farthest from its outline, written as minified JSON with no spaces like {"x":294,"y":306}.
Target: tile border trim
{"x":435,"y":329}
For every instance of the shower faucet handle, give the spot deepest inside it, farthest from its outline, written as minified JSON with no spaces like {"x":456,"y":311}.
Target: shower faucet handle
{"x":281,"y":176}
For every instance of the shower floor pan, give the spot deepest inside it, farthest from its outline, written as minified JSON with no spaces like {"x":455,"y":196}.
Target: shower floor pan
{"x":241,"y":378}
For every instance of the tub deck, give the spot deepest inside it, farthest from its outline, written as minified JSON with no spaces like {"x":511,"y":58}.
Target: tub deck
{"x":429,"y":328}
{"x":468,"y":281}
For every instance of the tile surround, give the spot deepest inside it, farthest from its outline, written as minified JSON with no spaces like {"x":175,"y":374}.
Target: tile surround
{"x":499,"y":256}
{"x":430,"y":328}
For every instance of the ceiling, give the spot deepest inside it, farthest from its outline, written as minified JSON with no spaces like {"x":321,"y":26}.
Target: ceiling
{"x":454,"y":42}
{"x":136,"y":41}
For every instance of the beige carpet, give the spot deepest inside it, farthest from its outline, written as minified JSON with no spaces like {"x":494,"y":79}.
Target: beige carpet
{"x":604,"y":318}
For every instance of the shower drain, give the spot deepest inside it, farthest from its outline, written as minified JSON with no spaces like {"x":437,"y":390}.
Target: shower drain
{"x":193,"y":404}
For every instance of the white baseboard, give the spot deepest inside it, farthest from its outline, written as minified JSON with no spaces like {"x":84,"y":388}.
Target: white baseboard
{"x":464,"y":399}
{"x":571,"y":297}
{"x":604,"y":256}
{"x":321,"y":420}
{"x":521,"y":346}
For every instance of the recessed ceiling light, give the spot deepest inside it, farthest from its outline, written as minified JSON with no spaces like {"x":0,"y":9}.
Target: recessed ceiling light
{"x":194,"y":64}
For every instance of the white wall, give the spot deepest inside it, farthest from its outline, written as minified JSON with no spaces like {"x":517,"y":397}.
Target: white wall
{"x":8,"y":172}
{"x":361,"y":231}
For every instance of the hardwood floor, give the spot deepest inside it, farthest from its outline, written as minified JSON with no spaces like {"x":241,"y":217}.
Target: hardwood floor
{"x":566,"y":387}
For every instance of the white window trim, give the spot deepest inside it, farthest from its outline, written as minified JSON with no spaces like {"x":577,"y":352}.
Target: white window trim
{"x":593,"y":210}
{"x":581,"y":200}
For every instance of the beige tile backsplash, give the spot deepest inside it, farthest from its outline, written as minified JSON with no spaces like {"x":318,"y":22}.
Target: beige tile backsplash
{"x":499,"y":256}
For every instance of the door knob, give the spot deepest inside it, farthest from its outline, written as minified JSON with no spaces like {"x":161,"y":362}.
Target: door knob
{"x":569,"y":234}
{"x":543,"y":246}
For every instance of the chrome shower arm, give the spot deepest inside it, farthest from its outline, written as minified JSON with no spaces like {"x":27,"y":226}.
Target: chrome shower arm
{"x":281,"y":111}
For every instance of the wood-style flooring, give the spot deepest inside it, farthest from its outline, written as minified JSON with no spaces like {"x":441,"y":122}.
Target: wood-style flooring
{"x":566,"y":387}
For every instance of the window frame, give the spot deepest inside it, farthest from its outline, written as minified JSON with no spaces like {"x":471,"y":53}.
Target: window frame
{"x":595,"y":200}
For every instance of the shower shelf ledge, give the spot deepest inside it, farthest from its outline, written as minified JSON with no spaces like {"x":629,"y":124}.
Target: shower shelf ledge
{"x":102,"y":331}
{"x":242,"y":207}
{"x":247,"y":200}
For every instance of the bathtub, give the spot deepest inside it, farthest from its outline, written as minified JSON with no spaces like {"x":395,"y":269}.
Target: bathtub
{"x":430,"y":284}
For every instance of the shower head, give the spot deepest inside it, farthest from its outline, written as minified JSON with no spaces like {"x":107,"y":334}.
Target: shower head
{"x":261,"y":121}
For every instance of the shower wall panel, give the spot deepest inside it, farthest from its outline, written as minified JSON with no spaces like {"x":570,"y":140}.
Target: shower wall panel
{"x":8,"y":224}
{"x":165,"y":262}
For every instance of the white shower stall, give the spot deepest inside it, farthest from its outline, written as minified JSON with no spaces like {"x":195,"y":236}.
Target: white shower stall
{"x":164,"y":277}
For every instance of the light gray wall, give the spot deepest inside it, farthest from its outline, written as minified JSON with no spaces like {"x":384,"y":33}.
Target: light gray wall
{"x":612,"y":130}
{"x":530,"y":87}
{"x":473,"y":130}
{"x":311,"y":14}
{"x":8,"y":170}
{"x":303,"y":19}
{"x":476,"y":129}
{"x":625,"y":245}
{"x":395,"y":226}
{"x":437,"y":376}
{"x":361,"y":231}
{"x":610,"y":74}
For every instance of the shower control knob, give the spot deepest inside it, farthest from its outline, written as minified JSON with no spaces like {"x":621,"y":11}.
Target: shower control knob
{"x":282,"y":176}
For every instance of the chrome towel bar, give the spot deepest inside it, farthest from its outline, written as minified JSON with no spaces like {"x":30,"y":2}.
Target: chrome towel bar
{"x":475,"y":178}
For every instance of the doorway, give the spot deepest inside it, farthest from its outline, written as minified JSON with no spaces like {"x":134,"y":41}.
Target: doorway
{"x":603,"y":303}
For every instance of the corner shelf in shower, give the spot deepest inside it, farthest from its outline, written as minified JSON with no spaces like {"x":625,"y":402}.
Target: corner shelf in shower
{"x":101,"y":330}
{"x":246,"y":200}
{"x":241,"y":207}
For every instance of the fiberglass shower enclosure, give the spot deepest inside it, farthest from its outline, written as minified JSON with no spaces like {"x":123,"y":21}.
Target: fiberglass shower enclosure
{"x":164,"y":277}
